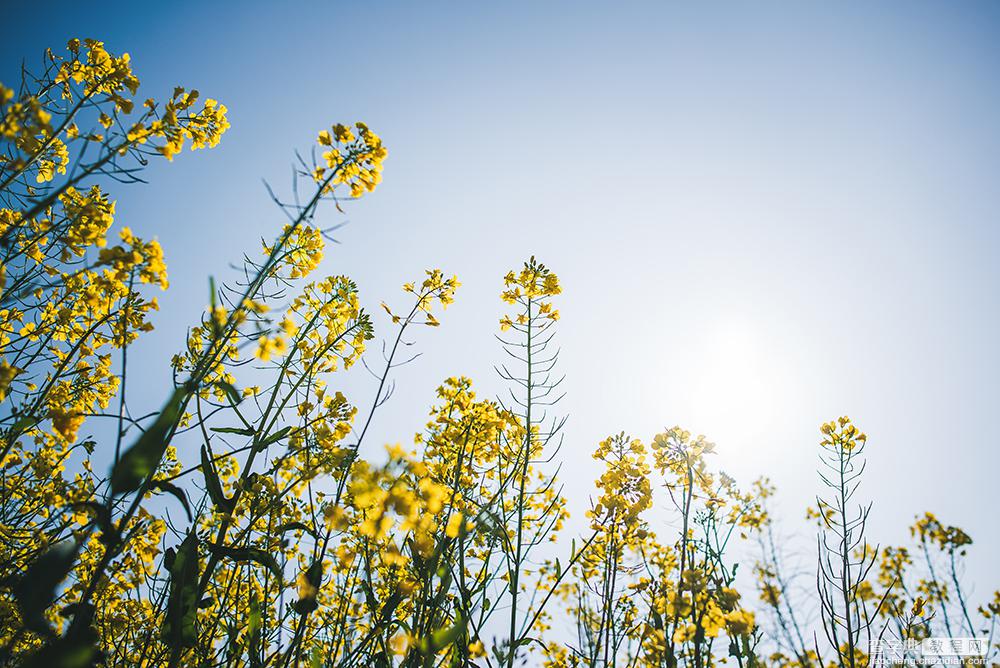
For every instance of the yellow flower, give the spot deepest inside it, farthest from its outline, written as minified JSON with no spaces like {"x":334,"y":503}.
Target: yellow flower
{"x":29,"y":330}
{"x":268,"y":346}
{"x":454,"y":525}
{"x":7,"y":375}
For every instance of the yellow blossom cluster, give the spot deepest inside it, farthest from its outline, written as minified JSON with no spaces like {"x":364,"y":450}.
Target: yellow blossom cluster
{"x":929,"y":528}
{"x":530,"y":288}
{"x":302,"y":250}
{"x":99,"y":72}
{"x":462,"y":443}
{"x":625,"y":487}
{"x":91,"y":78}
{"x":28,"y":127}
{"x":842,"y":435}
{"x":354,"y":160}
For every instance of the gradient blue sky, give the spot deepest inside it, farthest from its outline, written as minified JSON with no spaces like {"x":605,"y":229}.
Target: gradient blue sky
{"x":764,"y":215}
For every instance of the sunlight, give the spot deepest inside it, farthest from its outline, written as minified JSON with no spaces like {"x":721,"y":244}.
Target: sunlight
{"x":739,"y":388}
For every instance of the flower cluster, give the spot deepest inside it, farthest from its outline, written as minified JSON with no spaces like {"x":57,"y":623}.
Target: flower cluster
{"x":948,"y":538}
{"x":99,"y":72}
{"x":41,"y":129}
{"x":626,"y":491}
{"x":434,"y":289}
{"x":354,"y":160}
{"x":842,"y":435}
{"x":530,"y":288}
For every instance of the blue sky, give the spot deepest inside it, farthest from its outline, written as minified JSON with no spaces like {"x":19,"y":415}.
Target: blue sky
{"x":764,"y":215}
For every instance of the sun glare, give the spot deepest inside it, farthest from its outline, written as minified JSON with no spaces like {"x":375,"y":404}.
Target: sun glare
{"x":739,"y":389}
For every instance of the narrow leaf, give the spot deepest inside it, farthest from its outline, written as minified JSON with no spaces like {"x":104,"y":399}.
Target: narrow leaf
{"x":249,"y":554}
{"x":139,"y":461}
{"x":242,"y":431}
{"x":296,"y":526}
{"x":234,"y":395}
{"x":180,"y":623}
{"x":274,"y":438}
{"x":212,"y":484}
{"x":36,"y":589}
{"x":176,"y":492}
{"x":443,"y":637}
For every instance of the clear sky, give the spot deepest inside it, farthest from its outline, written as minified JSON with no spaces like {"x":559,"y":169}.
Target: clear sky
{"x":764,"y":215}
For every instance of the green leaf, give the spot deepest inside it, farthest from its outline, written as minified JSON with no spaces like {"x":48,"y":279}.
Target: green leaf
{"x":390,"y":605}
{"x":415,"y":556}
{"x":213,"y":300}
{"x":370,"y":599}
{"x":314,"y":576}
{"x":242,"y":431}
{"x":443,"y":637}
{"x":35,"y":591}
{"x":212,"y":484}
{"x":274,"y":438}
{"x":77,"y":649}
{"x":180,"y":625}
{"x":255,"y":621}
{"x":235,"y":397}
{"x":296,"y":526}
{"x":144,"y":456}
{"x":249,"y":554}
{"x":176,"y":492}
